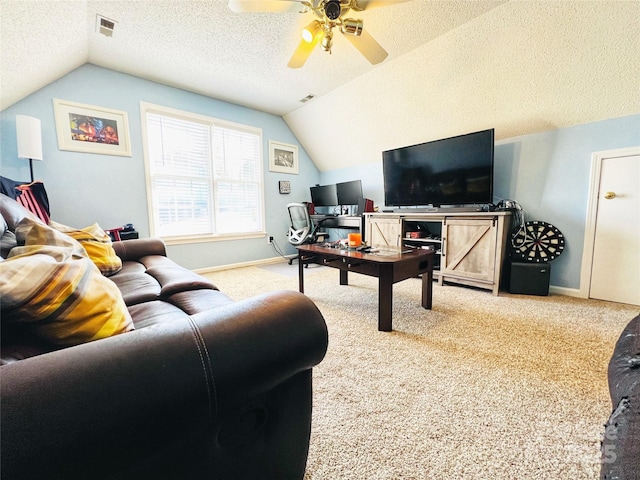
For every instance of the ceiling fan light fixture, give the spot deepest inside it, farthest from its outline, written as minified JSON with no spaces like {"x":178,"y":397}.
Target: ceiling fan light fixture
{"x":310,"y":31}
{"x":352,"y":26}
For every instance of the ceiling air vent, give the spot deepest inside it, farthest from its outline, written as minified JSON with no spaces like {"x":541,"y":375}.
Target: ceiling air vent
{"x":307,"y":98}
{"x":105,"y":26}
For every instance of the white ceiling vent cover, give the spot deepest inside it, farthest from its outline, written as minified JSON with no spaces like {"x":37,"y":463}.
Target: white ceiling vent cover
{"x":105,"y":26}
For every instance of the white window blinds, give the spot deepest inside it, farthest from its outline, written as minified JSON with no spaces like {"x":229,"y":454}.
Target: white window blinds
{"x":205,"y":176}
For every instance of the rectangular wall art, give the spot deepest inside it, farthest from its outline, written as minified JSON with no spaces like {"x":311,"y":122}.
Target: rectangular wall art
{"x":283,"y":158}
{"x":88,"y":129}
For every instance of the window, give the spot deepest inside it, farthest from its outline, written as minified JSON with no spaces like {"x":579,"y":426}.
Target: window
{"x":204,"y":175}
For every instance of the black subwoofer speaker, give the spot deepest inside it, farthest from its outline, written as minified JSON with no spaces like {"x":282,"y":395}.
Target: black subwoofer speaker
{"x":529,"y":278}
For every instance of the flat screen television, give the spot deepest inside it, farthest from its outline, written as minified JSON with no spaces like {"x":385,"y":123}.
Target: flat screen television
{"x":324,"y":195}
{"x":349,"y":193}
{"x":451,"y":171}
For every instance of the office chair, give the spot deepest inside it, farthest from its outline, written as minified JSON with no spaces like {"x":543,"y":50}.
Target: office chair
{"x":302,"y":229}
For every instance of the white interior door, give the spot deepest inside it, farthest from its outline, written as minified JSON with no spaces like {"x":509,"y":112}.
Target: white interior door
{"x":615,"y":271}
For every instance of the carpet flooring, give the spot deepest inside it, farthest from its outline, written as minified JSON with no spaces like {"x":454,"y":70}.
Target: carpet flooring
{"x":506,"y":387}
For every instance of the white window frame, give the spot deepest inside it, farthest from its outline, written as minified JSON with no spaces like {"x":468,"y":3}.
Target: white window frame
{"x":148,"y":108}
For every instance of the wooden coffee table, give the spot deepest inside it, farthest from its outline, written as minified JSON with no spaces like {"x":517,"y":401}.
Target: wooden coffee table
{"x":388,"y":267}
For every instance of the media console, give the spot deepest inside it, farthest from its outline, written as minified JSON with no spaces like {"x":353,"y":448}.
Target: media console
{"x":470,"y":246}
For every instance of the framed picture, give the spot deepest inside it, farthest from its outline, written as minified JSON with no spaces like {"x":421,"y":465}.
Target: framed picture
{"x":284,"y":186}
{"x":88,"y":129}
{"x":283,"y":158}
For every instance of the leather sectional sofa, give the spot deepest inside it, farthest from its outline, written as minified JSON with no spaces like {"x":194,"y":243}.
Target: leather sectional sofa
{"x":621,"y":441}
{"x":204,"y":387}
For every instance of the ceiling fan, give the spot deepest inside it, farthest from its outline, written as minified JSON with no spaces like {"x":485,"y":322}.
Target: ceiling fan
{"x":330,"y":14}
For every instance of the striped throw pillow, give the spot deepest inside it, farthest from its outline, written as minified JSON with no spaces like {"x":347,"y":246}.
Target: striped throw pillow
{"x":50,"y":286}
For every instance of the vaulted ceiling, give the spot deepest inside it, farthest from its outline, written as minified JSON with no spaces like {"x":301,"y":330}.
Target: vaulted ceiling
{"x":202,"y":46}
{"x":505,"y":52}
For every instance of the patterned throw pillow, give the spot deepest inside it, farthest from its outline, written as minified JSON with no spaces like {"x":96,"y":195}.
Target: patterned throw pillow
{"x":50,"y":286}
{"x":97,"y":244}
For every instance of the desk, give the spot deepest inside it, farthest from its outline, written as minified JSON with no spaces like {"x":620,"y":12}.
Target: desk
{"x":351,"y":222}
{"x":387,"y":268}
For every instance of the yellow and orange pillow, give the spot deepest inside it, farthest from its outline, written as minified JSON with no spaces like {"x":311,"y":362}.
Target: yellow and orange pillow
{"x":49,"y":285}
{"x":97,"y":245}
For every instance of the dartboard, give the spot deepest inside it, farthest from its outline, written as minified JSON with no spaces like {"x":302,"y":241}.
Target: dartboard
{"x":537,"y":242}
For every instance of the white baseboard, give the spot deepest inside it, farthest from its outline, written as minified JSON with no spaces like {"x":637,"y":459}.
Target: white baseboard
{"x":569,"y":292}
{"x":253,"y":263}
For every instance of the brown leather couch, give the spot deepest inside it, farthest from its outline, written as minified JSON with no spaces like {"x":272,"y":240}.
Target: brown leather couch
{"x":204,"y":387}
{"x":621,"y":440}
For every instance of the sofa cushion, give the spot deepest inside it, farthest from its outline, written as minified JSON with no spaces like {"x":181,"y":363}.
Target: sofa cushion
{"x":172,"y":277}
{"x":135,"y":285}
{"x":97,"y":245}
{"x":49,"y":286}
{"x":196,"y":301}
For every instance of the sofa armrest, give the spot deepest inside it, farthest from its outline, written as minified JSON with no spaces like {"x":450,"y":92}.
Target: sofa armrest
{"x":178,"y":398}
{"x":620,"y":448}
{"x":139,"y":247}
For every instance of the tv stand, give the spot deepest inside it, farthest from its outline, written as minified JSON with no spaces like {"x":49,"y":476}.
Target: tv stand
{"x":470,"y":245}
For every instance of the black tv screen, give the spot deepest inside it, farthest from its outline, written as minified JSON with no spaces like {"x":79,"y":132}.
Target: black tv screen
{"x":349,"y":193}
{"x":324,"y":195}
{"x":450,"y":171}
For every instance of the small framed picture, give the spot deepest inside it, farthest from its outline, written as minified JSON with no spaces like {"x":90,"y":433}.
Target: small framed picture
{"x":89,"y":129}
{"x":284,"y":186}
{"x":283,"y":158}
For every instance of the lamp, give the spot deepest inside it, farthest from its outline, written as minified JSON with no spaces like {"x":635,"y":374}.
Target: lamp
{"x":352,"y":26}
{"x":310,"y":31}
{"x":29,"y":134}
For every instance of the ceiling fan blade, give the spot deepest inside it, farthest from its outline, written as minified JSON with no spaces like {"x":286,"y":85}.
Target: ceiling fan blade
{"x":368,"y":47}
{"x":367,"y":4}
{"x":303,"y":51}
{"x":277,"y":6}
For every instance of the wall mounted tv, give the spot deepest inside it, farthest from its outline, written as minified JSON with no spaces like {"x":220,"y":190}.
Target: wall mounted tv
{"x":451,"y":171}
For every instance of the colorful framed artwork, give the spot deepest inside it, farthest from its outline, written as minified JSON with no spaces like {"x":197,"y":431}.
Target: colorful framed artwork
{"x":283,"y":158}
{"x":89,"y":129}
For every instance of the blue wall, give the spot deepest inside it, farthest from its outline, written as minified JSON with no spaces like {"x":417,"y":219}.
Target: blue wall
{"x":86,"y":188}
{"x":547,"y":173}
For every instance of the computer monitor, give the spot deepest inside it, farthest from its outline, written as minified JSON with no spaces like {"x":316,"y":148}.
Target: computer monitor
{"x":349,"y":193}
{"x":324,"y":196}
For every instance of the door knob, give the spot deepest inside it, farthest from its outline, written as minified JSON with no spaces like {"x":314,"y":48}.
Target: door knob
{"x":610,"y":195}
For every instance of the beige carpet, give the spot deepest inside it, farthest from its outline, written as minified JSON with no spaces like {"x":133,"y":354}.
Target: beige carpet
{"x":507,"y":387}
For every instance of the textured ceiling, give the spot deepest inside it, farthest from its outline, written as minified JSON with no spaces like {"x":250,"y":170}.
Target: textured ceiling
{"x":525,"y":67}
{"x":201,"y":46}
{"x":453,"y":67}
